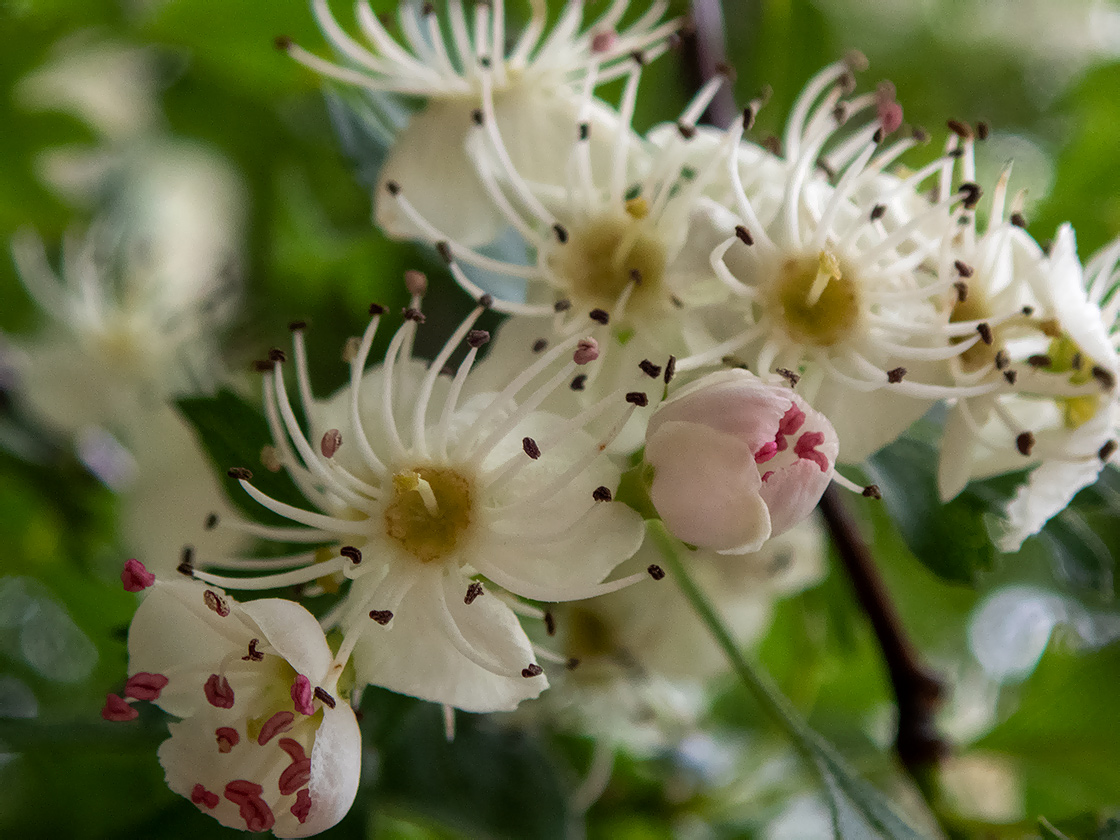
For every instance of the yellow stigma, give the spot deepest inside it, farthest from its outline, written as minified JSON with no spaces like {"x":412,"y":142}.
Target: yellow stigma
{"x":430,"y":511}
{"x":604,"y":256}
{"x":816,"y":300}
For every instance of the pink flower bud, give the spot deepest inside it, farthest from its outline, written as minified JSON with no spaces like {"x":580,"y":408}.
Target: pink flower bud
{"x":737,"y":461}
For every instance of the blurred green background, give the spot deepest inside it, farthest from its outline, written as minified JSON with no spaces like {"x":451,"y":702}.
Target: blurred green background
{"x":1043,"y":74}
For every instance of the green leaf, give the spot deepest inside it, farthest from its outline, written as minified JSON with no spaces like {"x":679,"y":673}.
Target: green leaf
{"x":490,"y":781}
{"x":233,"y":432}
{"x":950,"y":539}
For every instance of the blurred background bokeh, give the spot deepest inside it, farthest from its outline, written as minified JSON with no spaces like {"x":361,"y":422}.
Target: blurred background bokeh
{"x":110,"y":107}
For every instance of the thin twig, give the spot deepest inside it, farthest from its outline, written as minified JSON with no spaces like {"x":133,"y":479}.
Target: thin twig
{"x":917,"y":690}
{"x":705,"y":56}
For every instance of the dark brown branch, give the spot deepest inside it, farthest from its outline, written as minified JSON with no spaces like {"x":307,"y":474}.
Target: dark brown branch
{"x":917,"y":691}
{"x":705,"y":56}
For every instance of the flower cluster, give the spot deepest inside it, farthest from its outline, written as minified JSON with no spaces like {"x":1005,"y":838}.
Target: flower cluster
{"x":699,"y":330}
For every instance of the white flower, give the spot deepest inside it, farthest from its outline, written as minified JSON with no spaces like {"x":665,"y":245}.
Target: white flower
{"x":530,"y":91}
{"x":737,"y":461}
{"x":423,"y":486}
{"x":142,"y":298}
{"x":264,"y":741}
{"x":831,"y":282}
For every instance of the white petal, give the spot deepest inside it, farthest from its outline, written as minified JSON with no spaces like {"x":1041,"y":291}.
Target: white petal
{"x":413,"y":655}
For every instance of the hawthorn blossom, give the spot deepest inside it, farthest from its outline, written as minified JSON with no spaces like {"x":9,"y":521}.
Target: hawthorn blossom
{"x":264,"y":741}
{"x":433,"y":499}
{"x":737,"y":461}
{"x":832,"y":283}
{"x":1046,"y":343}
{"x":529,"y":90}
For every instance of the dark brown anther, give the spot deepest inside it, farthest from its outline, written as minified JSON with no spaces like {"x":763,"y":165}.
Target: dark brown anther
{"x":1025,"y":443}
{"x":443,"y":248}
{"x":428,"y":9}
{"x":1019,"y":220}
{"x":686,"y":131}
{"x":351,"y":553}
{"x":963,"y":268}
{"x":635,"y":277}
{"x":215,"y":602}
{"x":744,"y":235}
{"x":639,"y":58}
{"x":332,"y":440}
{"x":393,"y":187}
{"x":676,"y":301}
{"x":1077,"y":361}
{"x":1104,"y":377}
{"x":649,"y":368}
{"x":971,"y":193}
{"x":1002,"y":360}
{"x":240,"y":473}
{"x":549,"y":623}
{"x":983,"y":130}
{"x":956,"y":153}
{"x":772,"y":144}
{"x":985,"y":333}
{"x":376,"y":309}
{"x":295,"y":326}
{"x":637,"y":398}
{"x":789,"y":376}
{"x":484,"y":62}
{"x":579,"y":382}
{"x":877,"y":212}
{"x":1108,"y":450}
{"x":324,"y":698}
{"x":477,"y":338}
{"x":919,"y":134}
{"x":600,"y":316}
{"x":572,"y":664}
{"x":872,"y":491}
{"x":561,"y":233}
{"x":584,"y":131}
{"x":382,"y":617}
{"x":748,"y":118}
{"x":473,"y":591}
{"x":1039,"y":361}
{"x":655,"y":571}
{"x":562,"y":305}
{"x":282,"y":43}
{"x":477,"y":116}
{"x":531,"y":448}
{"x":486,"y":301}
{"x":726,"y":70}
{"x":878,"y":136}
{"x":1012,"y":376}
{"x":896,"y":375}
{"x":411,"y":314}
{"x":670,"y":370}
{"x":962,"y":291}
{"x":186,"y":562}
{"x":601,"y":494}
{"x":211,"y":522}
{"x":1027,"y":310}
{"x":961,"y":129}
{"x":539,"y":345}
{"x":277,"y":355}
{"x":253,"y":655}
{"x":261,"y":366}
{"x":534,"y":670}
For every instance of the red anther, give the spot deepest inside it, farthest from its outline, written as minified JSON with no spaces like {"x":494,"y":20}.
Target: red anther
{"x":218,"y":692}
{"x":302,"y":694}
{"x":117,"y":709}
{"x":227,"y":738}
{"x":145,"y":686}
{"x":204,"y":798}
{"x":279,"y":722}
{"x":135,"y":577}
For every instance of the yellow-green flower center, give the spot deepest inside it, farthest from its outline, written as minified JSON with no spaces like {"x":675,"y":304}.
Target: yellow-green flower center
{"x":605,"y":255}
{"x":430,"y":512}
{"x":816,"y":300}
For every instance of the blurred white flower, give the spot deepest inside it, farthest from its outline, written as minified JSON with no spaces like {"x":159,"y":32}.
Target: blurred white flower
{"x":424,"y":485}
{"x":265,"y":741}
{"x":528,"y":90}
{"x":737,"y":461}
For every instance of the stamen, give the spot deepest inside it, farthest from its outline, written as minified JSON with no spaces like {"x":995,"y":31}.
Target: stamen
{"x":601,"y":494}
{"x":655,"y":572}
{"x":473,"y":591}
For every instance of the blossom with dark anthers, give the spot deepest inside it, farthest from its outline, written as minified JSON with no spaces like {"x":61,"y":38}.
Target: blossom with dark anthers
{"x":265,"y":739}
{"x":833,"y":282}
{"x":434,"y":500}
{"x":530,"y":87}
{"x":1044,"y":342}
